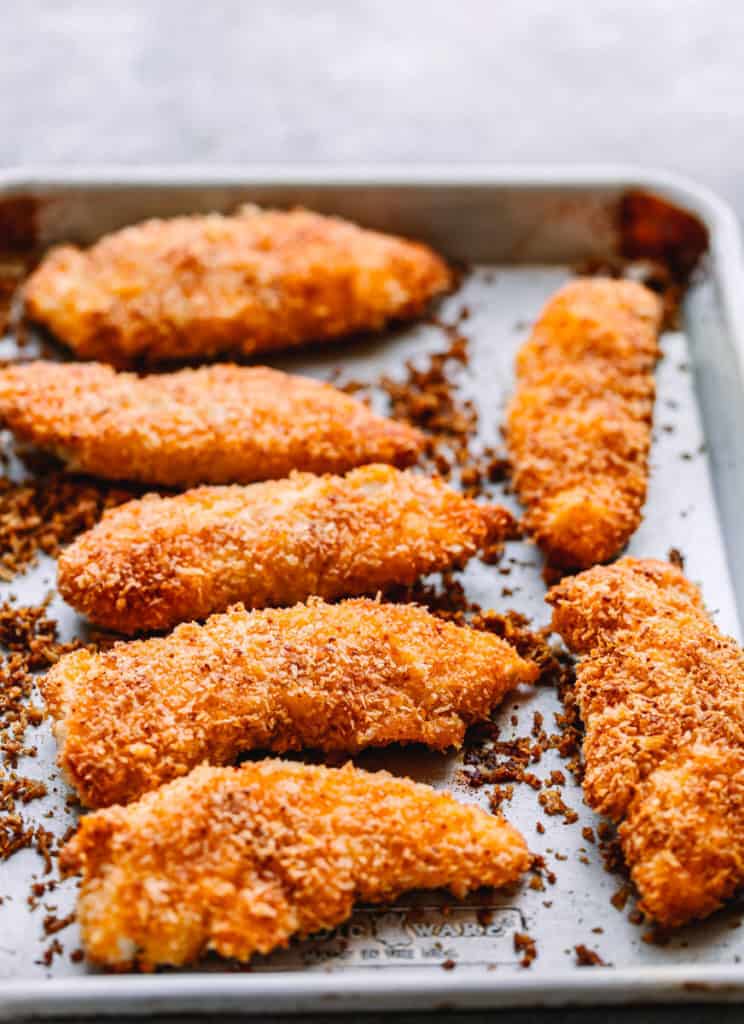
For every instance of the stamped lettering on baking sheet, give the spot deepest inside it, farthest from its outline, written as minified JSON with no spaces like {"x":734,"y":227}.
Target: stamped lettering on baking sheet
{"x":416,"y":936}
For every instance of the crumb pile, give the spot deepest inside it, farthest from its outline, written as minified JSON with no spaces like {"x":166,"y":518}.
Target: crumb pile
{"x":41,"y":514}
{"x":30,"y":638}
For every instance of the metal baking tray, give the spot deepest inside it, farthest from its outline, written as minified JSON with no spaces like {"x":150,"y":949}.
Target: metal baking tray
{"x":522,"y":231}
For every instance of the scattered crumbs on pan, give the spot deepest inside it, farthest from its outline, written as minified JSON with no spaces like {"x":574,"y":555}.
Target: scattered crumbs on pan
{"x":586,"y":957}
{"x":610,"y":850}
{"x":553,"y":803}
{"x":428,"y":397}
{"x":55,"y":948}
{"x":526,"y":945}
{"x":53,"y":924}
{"x":30,"y":640}
{"x":539,"y":866}
{"x":40,"y":515}
{"x":675,"y":556}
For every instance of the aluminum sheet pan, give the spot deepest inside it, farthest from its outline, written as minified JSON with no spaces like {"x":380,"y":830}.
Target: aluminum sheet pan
{"x":522,"y":232}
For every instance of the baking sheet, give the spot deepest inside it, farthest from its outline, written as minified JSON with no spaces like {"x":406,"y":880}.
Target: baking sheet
{"x":475,"y":938}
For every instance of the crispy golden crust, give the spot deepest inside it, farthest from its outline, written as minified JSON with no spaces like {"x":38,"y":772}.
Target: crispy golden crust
{"x":153,"y":563}
{"x":661,"y":691}
{"x":200,"y":286}
{"x":219,"y":424}
{"x":333,"y":677}
{"x":579,"y":424}
{"x":238,"y":860}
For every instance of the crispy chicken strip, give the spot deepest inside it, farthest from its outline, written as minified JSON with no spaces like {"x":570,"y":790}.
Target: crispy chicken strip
{"x":239,"y":860}
{"x":219,"y":424}
{"x":331,"y":677}
{"x":661,"y":692}
{"x":579,"y":424}
{"x":200,"y":286}
{"x":155,"y":562}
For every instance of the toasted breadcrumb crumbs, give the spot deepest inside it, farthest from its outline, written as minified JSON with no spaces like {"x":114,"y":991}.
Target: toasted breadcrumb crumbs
{"x":40,"y":515}
{"x":525,"y":944}
{"x":586,"y":957}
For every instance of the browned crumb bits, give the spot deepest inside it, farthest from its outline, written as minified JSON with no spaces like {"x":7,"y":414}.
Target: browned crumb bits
{"x":42,"y":514}
{"x":54,"y":949}
{"x":553,"y":803}
{"x":53,"y":924}
{"x":586,"y":957}
{"x":525,"y":944}
{"x":676,"y":557}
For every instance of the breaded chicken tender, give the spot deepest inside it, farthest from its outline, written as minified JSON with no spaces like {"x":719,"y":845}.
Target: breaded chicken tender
{"x":218,"y":424}
{"x":239,"y":860}
{"x":330,"y":677}
{"x":201,"y":286}
{"x":579,"y":424}
{"x":152,"y":563}
{"x":661,"y":692}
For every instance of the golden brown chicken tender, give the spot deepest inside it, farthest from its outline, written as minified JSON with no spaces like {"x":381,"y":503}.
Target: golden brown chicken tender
{"x":219,"y":424}
{"x":661,"y":692}
{"x":155,"y":562}
{"x":331,"y":677}
{"x":238,"y":860}
{"x":200,"y":286}
{"x":579,"y":424}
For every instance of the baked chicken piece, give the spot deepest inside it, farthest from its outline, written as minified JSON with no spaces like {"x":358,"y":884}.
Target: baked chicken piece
{"x":201,"y":286}
{"x":661,"y":691}
{"x":329,"y":677}
{"x":154,"y":562}
{"x":216,"y":425}
{"x":239,"y":860}
{"x":578,"y":428}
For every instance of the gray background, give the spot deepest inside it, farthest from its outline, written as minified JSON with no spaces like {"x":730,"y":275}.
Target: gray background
{"x":651,"y":81}
{"x":658,"y":82}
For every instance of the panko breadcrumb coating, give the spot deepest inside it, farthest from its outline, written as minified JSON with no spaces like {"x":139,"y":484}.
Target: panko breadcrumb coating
{"x":330,"y":677}
{"x":579,"y":424}
{"x":218,"y":424}
{"x":661,"y":691}
{"x":201,"y":286}
{"x":158,"y":561}
{"x":239,"y":860}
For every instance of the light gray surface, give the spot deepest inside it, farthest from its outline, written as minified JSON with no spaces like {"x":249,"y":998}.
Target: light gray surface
{"x":654,"y":81}
{"x":659,"y":82}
